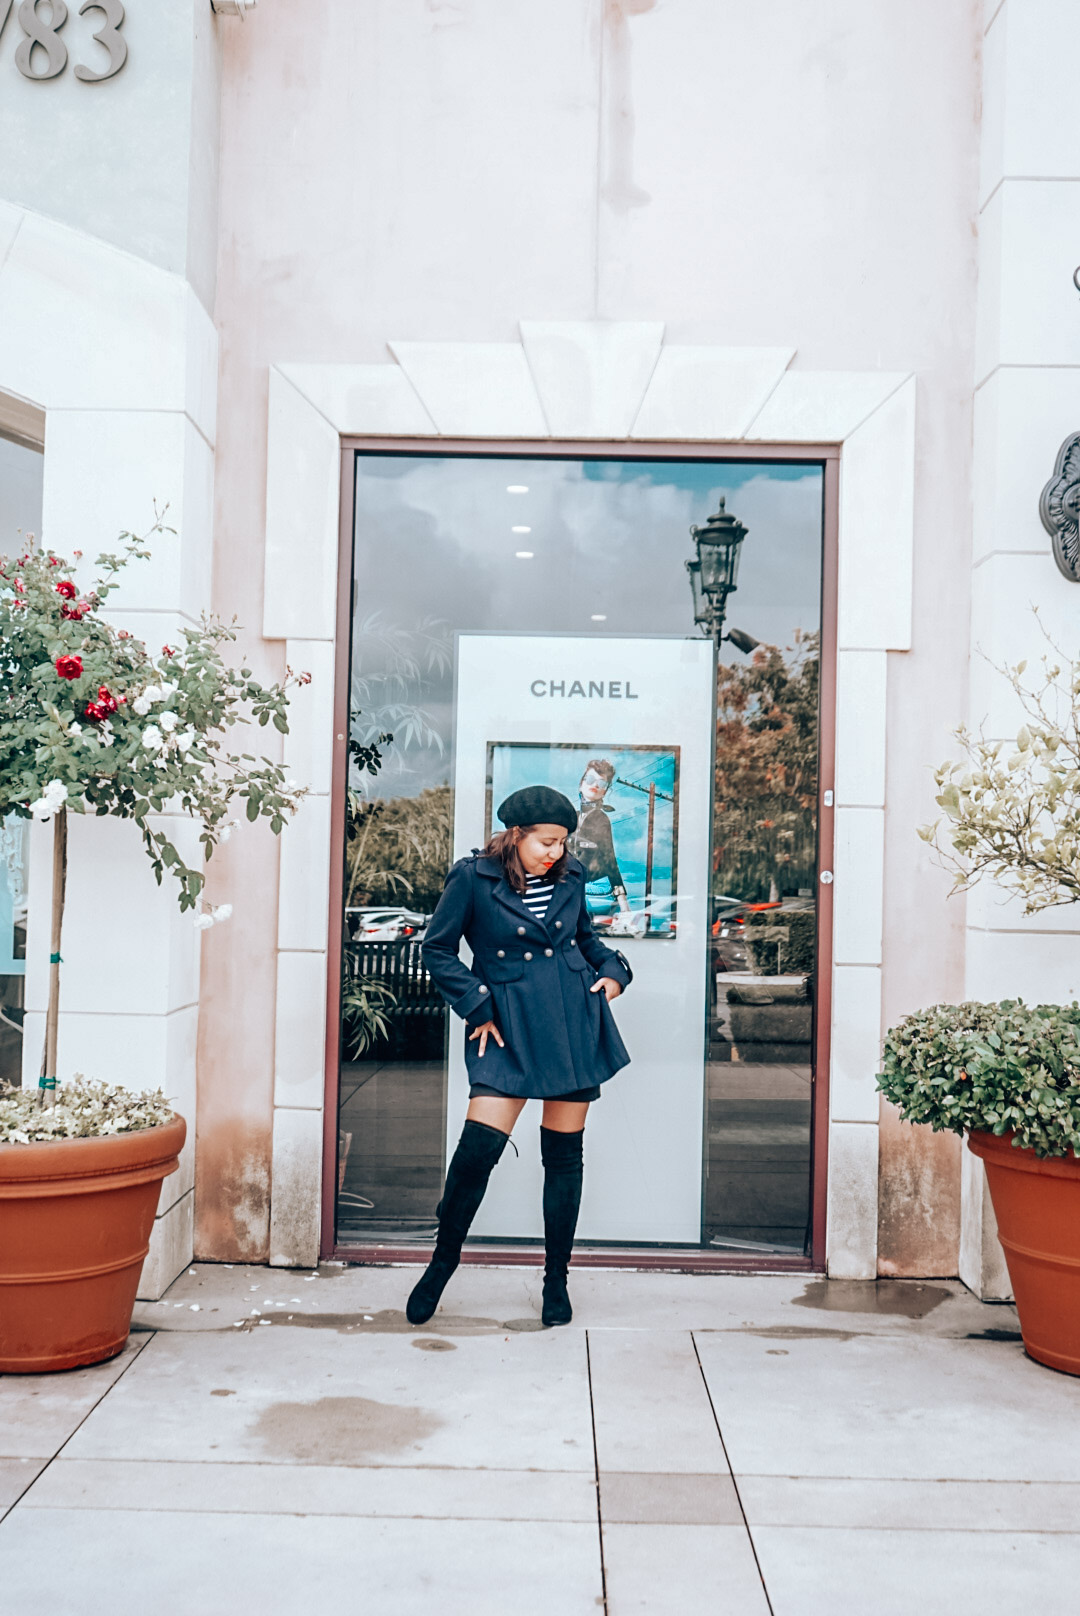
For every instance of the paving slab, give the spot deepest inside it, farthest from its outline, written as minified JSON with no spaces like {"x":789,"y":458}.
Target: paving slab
{"x":15,"y":1477}
{"x":940,"y":1409}
{"x":302,"y":1396}
{"x":969,"y":1506}
{"x":294,"y":1489}
{"x":682,"y":1571}
{"x":816,"y":1571}
{"x":38,"y":1413}
{"x":95,"y":1562}
{"x":670,"y":1500}
{"x":651,"y":1407}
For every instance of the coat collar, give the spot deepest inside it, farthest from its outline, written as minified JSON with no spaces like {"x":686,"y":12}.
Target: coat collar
{"x":568,"y":888}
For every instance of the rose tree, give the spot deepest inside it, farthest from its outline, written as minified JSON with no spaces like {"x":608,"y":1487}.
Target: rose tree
{"x":94,"y":722}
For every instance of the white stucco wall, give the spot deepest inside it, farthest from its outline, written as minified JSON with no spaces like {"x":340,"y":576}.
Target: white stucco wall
{"x":108,"y":207}
{"x":777,"y":176}
{"x":132,"y":160}
{"x":1027,"y":400}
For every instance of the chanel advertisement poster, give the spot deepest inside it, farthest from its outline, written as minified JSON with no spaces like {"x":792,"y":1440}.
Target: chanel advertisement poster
{"x":621,"y":726}
{"x":627,"y":835}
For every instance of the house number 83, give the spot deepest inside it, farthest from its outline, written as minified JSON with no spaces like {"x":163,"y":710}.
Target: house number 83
{"x":37,"y":32}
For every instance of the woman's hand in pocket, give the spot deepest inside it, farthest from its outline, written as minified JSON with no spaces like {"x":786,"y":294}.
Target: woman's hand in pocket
{"x":488,"y":1029}
{"x":608,"y":986}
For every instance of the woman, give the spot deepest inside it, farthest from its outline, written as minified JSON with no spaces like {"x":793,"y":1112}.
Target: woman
{"x":536,"y":1005}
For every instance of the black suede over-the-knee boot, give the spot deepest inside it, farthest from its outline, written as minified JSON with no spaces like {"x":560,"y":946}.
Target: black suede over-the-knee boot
{"x":562,"y":1156}
{"x":478,"y":1149}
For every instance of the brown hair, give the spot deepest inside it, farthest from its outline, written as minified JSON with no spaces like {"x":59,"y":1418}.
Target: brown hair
{"x":504,"y":846}
{"x":600,"y":766}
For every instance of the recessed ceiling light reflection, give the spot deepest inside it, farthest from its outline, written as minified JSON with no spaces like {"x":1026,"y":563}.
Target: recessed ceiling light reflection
{"x":599,"y":617}
{"x":524,"y":555}
{"x":517,"y":488}
{"x":521,"y":530}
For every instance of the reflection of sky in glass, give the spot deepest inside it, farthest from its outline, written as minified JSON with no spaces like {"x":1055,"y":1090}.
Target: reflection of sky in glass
{"x":436,"y":544}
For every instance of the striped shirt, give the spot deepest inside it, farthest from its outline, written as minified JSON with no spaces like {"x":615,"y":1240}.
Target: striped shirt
{"x":537,"y":895}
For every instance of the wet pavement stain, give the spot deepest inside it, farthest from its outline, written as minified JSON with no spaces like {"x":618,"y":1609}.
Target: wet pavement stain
{"x":895,"y":1298}
{"x":993,"y":1335}
{"x":342,"y":1430}
{"x":388,"y":1321}
{"x":427,"y":1343}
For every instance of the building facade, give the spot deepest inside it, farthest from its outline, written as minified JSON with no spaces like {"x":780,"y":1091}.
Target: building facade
{"x":308,"y":275}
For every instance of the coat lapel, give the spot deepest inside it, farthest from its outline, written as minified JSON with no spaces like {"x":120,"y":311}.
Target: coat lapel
{"x":503,"y":892}
{"x":567,"y":892}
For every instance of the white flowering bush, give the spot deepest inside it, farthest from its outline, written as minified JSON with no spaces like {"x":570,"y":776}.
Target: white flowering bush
{"x":93,"y":722}
{"x":1012,"y":812}
{"x":82,"y":1109}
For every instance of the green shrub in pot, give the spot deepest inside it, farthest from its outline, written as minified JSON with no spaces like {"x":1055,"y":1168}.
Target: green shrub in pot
{"x":1008,"y":1068}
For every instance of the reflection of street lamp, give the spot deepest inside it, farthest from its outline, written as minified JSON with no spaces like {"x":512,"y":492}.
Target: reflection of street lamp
{"x":713,"y":573}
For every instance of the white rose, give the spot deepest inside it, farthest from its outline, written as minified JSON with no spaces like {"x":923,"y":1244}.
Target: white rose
{"x":186,"y":741}
{"x":168,"y":721}
{"x":152,"y":738}
{"x":55,"y":794}
{"x":74,"y":729}
{"x":166,"y":692}
{"x":203,"y":922}
{"x":141,"y":706}
{"x":222,"y":913}
{"x":152,"y":693}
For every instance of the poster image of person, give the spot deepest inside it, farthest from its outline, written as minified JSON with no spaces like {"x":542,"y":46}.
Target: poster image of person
{"x":593,"y":843}
{"x":626,"y":836}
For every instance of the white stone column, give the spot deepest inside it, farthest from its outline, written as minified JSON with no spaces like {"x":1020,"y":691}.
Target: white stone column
{"x":1027,"y":400}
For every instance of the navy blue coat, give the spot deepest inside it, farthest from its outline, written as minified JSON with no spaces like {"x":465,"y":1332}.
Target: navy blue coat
{"x":531,"y":977}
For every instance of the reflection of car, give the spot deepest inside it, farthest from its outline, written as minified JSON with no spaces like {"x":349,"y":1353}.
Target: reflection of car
{"x":384,"y":925}
{"x":616,"y":922}
{"x":730,"y":945}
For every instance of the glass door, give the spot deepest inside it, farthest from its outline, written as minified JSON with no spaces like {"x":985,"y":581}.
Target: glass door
{"x":532,"y":619}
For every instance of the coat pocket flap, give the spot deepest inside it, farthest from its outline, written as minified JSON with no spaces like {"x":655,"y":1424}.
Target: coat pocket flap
{"x":493,"y":969}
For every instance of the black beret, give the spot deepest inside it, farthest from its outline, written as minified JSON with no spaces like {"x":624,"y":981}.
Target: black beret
{"x":538,"y":805}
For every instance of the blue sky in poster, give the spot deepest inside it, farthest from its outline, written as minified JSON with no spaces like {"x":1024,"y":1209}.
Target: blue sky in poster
{"x":517,"y":764}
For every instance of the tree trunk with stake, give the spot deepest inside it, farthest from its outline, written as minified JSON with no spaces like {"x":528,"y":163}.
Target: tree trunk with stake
{"x":47,"y":1080}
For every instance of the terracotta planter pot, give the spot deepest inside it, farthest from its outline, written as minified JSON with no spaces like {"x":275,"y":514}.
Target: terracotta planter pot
{"x":75,"y":1222}
{"x":1037,"y":1204}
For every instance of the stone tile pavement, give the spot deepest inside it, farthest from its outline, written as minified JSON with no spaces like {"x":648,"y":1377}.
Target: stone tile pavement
{"x":282,"y":1442}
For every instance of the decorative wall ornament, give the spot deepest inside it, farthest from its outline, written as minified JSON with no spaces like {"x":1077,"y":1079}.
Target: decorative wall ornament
{"x":1059,"y":507}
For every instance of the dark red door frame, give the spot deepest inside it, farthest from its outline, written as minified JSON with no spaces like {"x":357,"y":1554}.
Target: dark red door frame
{"x":671,"y":1259}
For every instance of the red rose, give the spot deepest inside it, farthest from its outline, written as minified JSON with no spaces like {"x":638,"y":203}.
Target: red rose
{"x":167,"y":650}
{"x":93,"y":712}
{"x":71,"y":614}
{"x":54,"y":561}
{"x":19,"y":587}
{"x":123,"y":634}
{"x":66,"y":588}
{"x":106,"y":701}
{"x":69,"y":667}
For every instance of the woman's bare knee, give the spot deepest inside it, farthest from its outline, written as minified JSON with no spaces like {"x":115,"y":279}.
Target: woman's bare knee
{"x":495,"y":1111}
{"x":565,"y":1116}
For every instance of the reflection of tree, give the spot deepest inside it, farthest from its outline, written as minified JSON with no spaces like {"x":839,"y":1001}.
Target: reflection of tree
{"x":392,"y":665}
{"x":764,"y":820}
{"x":398,"y":849}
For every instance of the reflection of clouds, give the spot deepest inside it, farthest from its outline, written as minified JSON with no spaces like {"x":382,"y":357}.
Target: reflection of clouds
{"x":434,"y":540}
